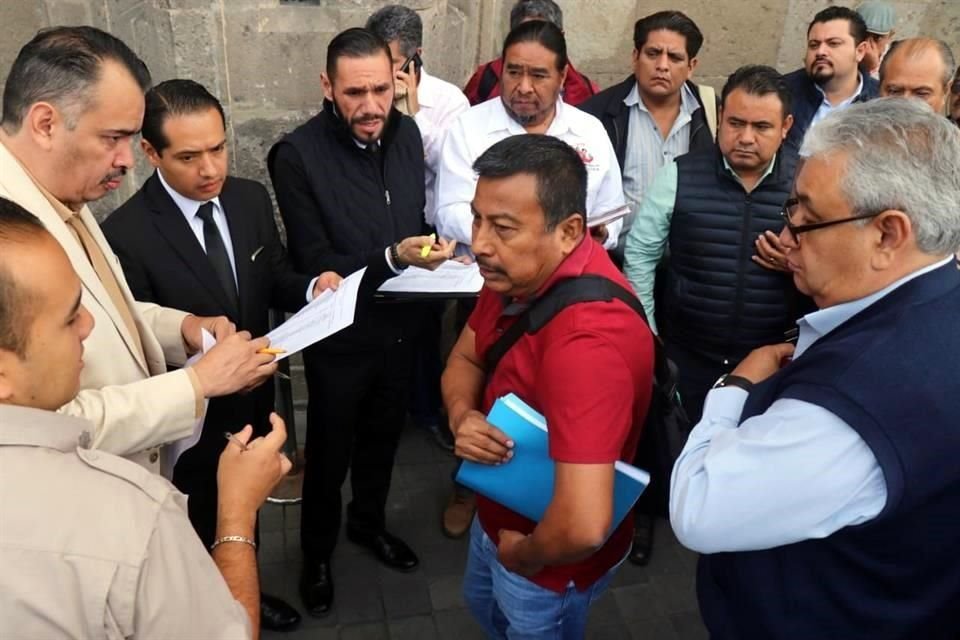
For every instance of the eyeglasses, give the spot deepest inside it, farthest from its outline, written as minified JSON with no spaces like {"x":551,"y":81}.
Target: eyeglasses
{"x":790,"y":207}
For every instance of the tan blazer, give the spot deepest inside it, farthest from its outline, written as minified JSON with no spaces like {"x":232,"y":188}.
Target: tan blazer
{"x":134,"y":405}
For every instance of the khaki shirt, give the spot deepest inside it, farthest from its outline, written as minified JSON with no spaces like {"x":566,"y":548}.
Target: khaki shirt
{"x":93,"y":546}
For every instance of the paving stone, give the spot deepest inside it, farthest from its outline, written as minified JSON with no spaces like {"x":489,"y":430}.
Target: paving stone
{"x":413,"y":628}
{"x":405,"y":595}
{"x":458,"y":624}
{"x":367,"y":631}
{"x":446,"y":592}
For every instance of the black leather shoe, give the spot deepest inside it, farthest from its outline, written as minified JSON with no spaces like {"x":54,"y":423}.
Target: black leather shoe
{"x":642,"y":540}
{"x":277,"y":615}
{"x":390,"y":550}
{"x":316,"y":588}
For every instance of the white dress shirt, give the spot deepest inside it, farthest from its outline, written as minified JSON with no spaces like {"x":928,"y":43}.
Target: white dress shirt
{"x":485,"y":124}
{"x":795,"y":472}
{"x":189,"y":208}
{"x":825,"y":106}
{"x":440,"y":104}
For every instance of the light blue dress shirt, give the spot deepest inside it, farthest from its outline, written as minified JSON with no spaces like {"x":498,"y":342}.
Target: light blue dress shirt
{"x":795,"y":472}
{"x":647,"y":239}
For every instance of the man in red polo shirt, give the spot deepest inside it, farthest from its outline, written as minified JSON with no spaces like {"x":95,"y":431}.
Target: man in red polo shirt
{"x":588,"y":371}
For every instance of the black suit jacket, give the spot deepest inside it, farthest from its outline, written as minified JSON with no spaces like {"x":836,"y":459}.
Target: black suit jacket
{"x":164,"y":263}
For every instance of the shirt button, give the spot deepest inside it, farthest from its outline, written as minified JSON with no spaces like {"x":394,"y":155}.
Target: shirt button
{"x":154,"y":457}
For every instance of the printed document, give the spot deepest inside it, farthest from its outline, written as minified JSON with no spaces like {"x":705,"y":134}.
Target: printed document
{"x":451,"y":277}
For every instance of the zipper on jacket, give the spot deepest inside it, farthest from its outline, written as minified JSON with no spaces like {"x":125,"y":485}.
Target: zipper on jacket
{"x":744,"y":260}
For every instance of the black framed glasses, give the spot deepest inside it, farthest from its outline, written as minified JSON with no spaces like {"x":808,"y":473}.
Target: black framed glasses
{"x":790,"y":207}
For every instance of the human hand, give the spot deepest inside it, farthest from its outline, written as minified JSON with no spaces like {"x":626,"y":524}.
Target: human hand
{"x":219,"y":327}
{"x":762,"y":363}
{"x":479,"y":441}
{"x":245,"y":477}
{"x":326,"y":280}
{"x":234,"y":365}
{"x":771,"y":254}
{"x":410,"y":251}
{"x":510,"y":553}
{"x":409,"y":80}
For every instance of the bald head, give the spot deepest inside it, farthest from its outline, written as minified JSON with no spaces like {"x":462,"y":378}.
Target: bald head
{"x":918,"y":68}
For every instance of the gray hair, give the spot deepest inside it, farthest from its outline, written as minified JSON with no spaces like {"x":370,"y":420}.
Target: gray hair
{"x":900,"y":155}
{"x":536,"y":9}
{"x":396,"y":22}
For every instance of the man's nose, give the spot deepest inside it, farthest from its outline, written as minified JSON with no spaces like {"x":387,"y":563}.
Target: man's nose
{"x":124,"y":156}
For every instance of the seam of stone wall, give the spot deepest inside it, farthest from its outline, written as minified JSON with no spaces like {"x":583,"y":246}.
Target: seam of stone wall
{"x":229,"y":90}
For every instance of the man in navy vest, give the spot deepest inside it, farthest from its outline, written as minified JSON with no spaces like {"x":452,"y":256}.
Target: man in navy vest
{"x":824,"y":489}
{"x":707,"y":209}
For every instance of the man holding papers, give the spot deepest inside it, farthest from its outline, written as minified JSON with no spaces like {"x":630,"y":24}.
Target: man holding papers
{"x":196,"y":239}
{"x":350,"y":185}
{"x":588,"y":371}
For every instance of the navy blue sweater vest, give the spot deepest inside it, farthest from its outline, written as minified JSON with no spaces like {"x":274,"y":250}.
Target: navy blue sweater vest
{"x":892,"y":372}
{"x":715,"y":300}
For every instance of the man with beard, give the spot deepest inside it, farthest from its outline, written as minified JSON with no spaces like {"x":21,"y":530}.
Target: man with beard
{"x":72,"y":103}
{"x":535,"y":65}
{"x":709,"y":208}
{"x":880,"y":18}
{"x":831,"y":78}
{"x":350,"y":186}
{"x":919,"y":68}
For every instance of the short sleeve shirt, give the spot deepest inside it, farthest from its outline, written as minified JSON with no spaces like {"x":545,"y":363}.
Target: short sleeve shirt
{"x":589,"y":371}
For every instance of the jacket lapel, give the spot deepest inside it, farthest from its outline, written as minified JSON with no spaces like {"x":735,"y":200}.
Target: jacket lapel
{"x":173,"y":227}
{"x":16,"y":181}
{"x":241,"y":236}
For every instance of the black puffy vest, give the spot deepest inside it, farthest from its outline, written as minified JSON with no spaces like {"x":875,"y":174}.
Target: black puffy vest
{"x":715,"y":300}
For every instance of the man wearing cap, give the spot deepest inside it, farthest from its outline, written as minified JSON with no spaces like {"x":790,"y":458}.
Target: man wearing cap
{"x":880,"y":18}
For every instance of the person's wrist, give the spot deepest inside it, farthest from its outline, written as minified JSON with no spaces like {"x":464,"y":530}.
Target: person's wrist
{"x":395,"y":257}
{"x":234,"y":521}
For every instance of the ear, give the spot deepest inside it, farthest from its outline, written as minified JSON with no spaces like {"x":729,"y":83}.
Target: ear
{"x":896,"y":235}
{"x":694,"y":61}
{"x":787,"y":123}
{"x":570,"y":231}
{"x":563,"y":75}
{"x":327,"y":86}
{"x":861,"y":50}
{"x":42,"y":122}
{"x":152,"y":154}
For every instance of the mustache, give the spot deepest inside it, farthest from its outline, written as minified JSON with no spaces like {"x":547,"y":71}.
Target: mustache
{"x":367,"y":118}
{"x":113,"y":175}
{"x":487,"y":266}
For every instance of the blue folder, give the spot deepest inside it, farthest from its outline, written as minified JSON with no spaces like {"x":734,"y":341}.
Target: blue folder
{"x":525,"y":483}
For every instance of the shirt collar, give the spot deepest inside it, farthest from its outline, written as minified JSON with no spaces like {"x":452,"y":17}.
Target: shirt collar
{"x":688,"y":102}
{"x":426,"y":90}
{"x":30,"y":427}
{"x":849,"y":100}
{"x":814,"y":326}
{"x":186,"y":205}
{"x":503,"y":122}
{"x":767,"y":171}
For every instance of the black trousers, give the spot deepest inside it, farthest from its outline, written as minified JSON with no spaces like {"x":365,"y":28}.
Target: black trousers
{"x":357,"y":407}
{"x":697,"y":374}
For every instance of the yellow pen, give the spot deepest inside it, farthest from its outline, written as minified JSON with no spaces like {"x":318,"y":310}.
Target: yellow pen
{"x":426,"y":248}
{"x":271,"y":351}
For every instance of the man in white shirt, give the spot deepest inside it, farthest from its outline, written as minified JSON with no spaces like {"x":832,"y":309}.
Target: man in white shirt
{"x":535,"y":65}
{"x":434,"y":104}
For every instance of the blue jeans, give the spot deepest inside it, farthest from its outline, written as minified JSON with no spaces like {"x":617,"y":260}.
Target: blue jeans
{"x":509,"y":606}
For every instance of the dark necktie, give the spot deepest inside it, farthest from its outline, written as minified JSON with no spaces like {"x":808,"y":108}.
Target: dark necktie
{"x":217,"y":254}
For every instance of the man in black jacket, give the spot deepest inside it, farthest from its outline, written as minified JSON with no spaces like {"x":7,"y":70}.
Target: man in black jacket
{"x":657,"y":113}
{"x":350,"y":186}
{"x":196,"y":239}
{"x":830,"y":78}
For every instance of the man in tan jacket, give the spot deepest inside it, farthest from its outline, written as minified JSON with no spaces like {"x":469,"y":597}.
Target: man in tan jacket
{"x":72,"y":102}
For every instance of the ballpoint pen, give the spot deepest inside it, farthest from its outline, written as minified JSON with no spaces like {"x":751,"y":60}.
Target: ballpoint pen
{"x":234,"y":439}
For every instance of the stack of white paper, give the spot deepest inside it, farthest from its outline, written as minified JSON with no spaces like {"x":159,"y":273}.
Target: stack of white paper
{"x":451,"y":278}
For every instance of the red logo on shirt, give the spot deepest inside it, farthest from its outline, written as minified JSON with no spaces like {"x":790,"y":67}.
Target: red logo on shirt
{"x":585,"y":156}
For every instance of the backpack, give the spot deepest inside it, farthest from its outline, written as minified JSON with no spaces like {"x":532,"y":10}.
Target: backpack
{"x":666,"y":426}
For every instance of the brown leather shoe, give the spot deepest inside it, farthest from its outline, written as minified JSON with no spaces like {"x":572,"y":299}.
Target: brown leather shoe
{"x":459,"y":512}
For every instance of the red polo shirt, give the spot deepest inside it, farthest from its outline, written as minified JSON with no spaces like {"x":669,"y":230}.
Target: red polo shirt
{"x":590,"y":373}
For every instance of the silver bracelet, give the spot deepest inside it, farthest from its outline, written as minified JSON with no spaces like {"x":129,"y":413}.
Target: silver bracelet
{"x":223,"y":539}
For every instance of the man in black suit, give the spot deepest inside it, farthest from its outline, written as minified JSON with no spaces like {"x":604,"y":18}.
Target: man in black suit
{"x":195,"y":239}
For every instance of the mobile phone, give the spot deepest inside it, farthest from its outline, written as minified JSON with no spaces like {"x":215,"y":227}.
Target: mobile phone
{"x":415,"y":59}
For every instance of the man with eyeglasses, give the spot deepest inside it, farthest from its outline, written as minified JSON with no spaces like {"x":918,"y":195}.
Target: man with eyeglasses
{"x":721,"y":297}
{"x":822,"y":483}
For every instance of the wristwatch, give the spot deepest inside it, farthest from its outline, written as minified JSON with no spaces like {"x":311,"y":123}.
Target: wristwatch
{"x":730,"y":380}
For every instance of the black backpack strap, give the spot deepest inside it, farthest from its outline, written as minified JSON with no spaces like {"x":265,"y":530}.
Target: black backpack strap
{"x":585,"y":288}
{"x":488,"y":80}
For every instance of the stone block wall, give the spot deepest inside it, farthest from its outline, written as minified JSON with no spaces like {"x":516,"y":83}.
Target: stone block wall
{"x":263,"y":57}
